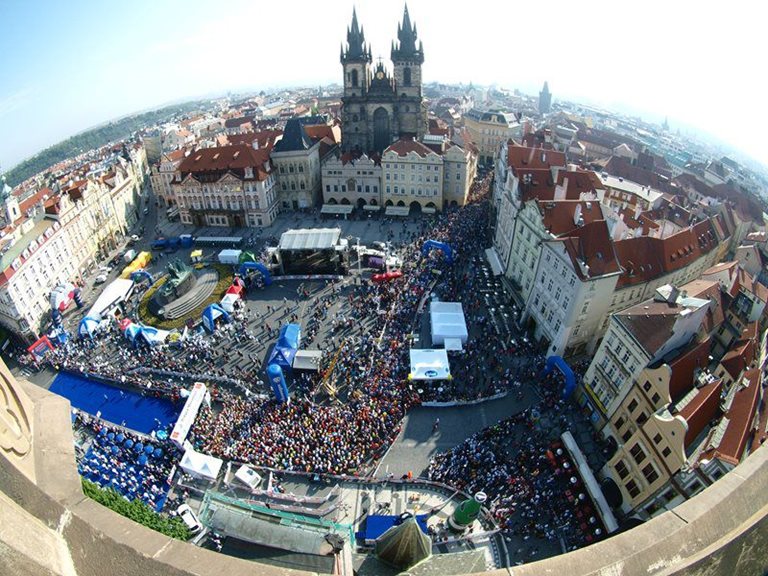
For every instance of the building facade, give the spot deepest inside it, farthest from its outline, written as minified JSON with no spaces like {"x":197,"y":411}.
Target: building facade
{"x":228,"y":186}
{"x":348,"y":179}
{"x":412,"y":176}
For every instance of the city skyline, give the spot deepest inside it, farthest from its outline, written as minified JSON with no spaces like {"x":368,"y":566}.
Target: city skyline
{"x":128,"y":61}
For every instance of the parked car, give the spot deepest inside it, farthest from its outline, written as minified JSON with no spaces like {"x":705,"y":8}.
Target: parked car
{"x":100,"y":279}
{"x":189,"y":518}
{"x":106,"y":269}
{"x":135,"y":237}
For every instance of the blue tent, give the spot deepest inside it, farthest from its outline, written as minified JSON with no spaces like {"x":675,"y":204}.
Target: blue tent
{"x":210,"y":315}
{"x":88,"y":327}
{"x":286,"y":347}
{"x":132,"y":332}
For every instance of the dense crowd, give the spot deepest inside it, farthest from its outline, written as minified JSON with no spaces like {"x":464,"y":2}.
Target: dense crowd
{"x":123,"y":461}
{"x":531,"y":483}
{"x":368,"y":353}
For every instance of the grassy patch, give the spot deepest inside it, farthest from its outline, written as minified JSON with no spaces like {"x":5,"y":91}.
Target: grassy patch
{"x":146,"y":316}
{"x":136,"y":511}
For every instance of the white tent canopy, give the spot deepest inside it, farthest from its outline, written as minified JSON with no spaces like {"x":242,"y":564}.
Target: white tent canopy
{"x":228,"y":302}
{"x":429,"y":365}
{"x":448,"y":322}
{"x":307,"y":360}
{"x":248,"y":476}
{"x":200,"y":465}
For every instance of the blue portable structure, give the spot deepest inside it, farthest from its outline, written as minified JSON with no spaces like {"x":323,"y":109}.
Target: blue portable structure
{"x":159,"y":244}
{"x":245,"y":266}
{"x":88,"y":327}
{"x":140,"y":275}
{"x":211,"y":314}
{"x":277,"y":381}
{"x":442,"y":246}
{"x":570,"y":380}
{"x":186,"y":240}
{"x":286,"y":346}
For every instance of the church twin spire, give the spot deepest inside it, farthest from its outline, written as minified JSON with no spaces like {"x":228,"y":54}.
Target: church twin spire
{"x":405,"y":48}
{"x":356,"y":46}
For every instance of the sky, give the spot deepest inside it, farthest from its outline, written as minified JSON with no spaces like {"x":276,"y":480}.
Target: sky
{"x":67,"y":66}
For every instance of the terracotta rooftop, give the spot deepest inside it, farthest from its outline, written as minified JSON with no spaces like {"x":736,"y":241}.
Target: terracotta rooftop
{"x":406,"y":146}
{"x":694,"y":356}
{"x":558,"y":216}
{"x":702,"y":410}
{"x":591,"y":245}
{"x":521,"y":157}
{"x":227,"y":159}
{"x":741,"y":415}
{"x":738,"y":358}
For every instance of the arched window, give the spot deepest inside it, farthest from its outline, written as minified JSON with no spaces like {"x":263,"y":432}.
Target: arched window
{"x":407,"y":76}
{"x":354,"y":78}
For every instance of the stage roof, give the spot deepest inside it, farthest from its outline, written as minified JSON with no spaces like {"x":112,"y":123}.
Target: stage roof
{"x":310,"y":239}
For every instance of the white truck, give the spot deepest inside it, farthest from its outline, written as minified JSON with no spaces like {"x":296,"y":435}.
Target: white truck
{"x":129,"y":256}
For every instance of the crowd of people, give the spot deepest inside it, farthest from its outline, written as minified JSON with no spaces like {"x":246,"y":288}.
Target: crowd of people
{"x":532,"y":485}
{"x":366,"y":362}
{"x":124,"y":462}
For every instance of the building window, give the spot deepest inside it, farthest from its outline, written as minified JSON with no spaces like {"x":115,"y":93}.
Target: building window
{"x":632,"y":489}
{"x":657,"y":438}
{"x":655,"y":398}
{"x":666,"y":452}
{"x":632,"y":405}
{"x":650,"y":474}
{"x":619,"y":422}
{"x":647,"y":386}
{"x":642,"y":418}
{"x":621,"y":469}
{"x":637,"y":453}
{"x":626,"y":436}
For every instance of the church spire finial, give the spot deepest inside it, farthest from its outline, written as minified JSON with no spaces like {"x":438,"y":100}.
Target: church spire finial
{"x":407,"y":36}
{"x":355,"y":40}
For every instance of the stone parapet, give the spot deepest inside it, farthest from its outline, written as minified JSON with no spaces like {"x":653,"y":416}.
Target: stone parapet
{"x":49,"y":528}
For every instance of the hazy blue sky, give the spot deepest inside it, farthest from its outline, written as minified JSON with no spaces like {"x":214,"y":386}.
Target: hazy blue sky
{"x":65,"y":66}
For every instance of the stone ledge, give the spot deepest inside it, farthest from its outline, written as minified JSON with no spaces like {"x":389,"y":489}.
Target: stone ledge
{"x":720,"y":532}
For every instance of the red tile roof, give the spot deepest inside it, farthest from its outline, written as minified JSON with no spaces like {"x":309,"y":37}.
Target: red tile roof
{"x":405,"y":146}
{"x":558,"y":216}
{"x":738,"y":358}
{"x":217,"y":161}
{"x":702,"y":410}
{"x":536,"y":184}
{"x":644,"y":258}
{"x":694,"y":356}
{"x":521,"y":157}
{"x":741,"y":416}
{"x":579,"y":181}
{"x":592,"y":245}
{"x":320,"y":131}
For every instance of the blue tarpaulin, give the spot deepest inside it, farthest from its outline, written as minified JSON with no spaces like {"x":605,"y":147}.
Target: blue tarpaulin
{"x":376,"y":525}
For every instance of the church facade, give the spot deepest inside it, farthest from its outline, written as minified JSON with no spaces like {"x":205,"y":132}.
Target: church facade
{"x":380,"y":107}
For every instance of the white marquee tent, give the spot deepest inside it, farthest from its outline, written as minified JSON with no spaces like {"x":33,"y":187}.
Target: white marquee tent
{"x":429,"y":365}
{"x":200,"y":465}
{"x":448,"y":322}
